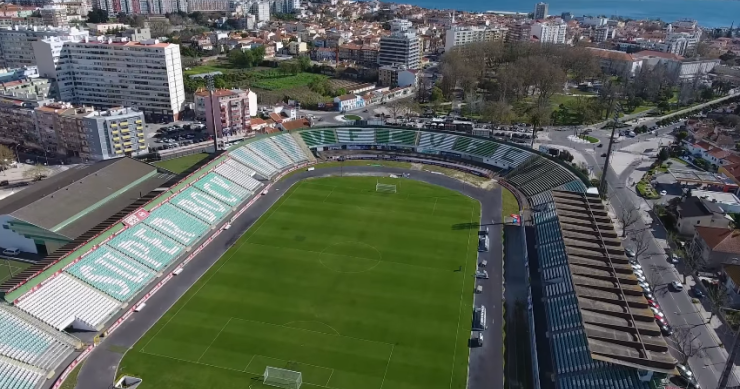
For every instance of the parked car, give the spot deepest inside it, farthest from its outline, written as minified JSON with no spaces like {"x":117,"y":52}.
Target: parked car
{"x":663,"y":193}
{"x":677,"y":286}
{"x":674,"y":259}
{"x":666,"y":330}
{"x":697,"y":293}
{"x":11,"y":252}
{"x":4,"y":183}
{"x":688,"y":375}
{"x":629,"y":252}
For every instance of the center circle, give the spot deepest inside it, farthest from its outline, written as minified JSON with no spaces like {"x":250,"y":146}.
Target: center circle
{"x":350,"y":257}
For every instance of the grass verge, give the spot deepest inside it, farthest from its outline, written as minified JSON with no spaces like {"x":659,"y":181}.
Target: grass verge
{"x":71,"y":380}
{"x":179,"y":165}
{"x":9,"y":268}
{"x":509,"y":203}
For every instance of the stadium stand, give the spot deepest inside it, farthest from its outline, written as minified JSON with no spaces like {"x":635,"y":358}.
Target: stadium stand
{"x":201,"y":205}
{"x":177,"y":224}
{"x":537,"y":175}
{"x":319,"y":137}
{"x":24,"y":342}
{"x":112,"y":273}
{"x":13,"y":376}
{"x":436,"y":141}
{"x":65,"y":301}
{"x":240,"y":167}
{"x":271,"y":156}
{"x":144,"y":244}
{"x":253,"y":161}
{"x":395,"y":137}
{"x":222,"y":189}
{"x":242,"y":179}
{"x":290,"y":147}
{"x":356,"y":135}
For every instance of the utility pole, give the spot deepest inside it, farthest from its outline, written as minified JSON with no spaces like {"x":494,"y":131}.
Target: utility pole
{"x":605,"y":171}
{"x":209,"y":84}
{"x":725,"y":376}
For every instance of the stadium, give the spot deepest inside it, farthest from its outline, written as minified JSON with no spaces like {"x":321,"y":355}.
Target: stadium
{"x":256,"y":270}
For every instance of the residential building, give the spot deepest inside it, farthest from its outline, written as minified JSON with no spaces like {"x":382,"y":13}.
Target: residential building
{"x":114,"y":133}
{"x":728,"y":201}
{"x":540,"y":11}
{"x":550,"y":31}
{"x":286,"y":6}
{"x":398,"y":75}
{"x":603,"y":34}
{"x":297,"y":47}
{"x":348,"y":102}
{"x":400,"y":48}
{"x":352,"y":52}
{"x":695,"y":211}
{"x":16,"y":49}
{"x":54,"y":15}
{"x":400,"y":25}
{"x":208,"y":5}
{"x":681,"y":68}
{"x":460,"y":36}
{"x":228,"y":111}
{"x":593,"y":22}
{"x":521,"y":31}
{"x":615,"y":62}
{"x":712,"y":246}
{"x":18,"y":122}
{"x":682,"y":43}
{"x":261,"y":9}
{"x":566,"y":16}
{"x":137,"y":34}
{"x":145,"y":75}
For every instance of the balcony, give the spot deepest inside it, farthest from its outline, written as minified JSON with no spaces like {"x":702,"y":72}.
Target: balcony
{"x":116,"y":139}
{"x":125,"y":131}
{"x":138,"y":122}
{"x":140,"y":128}
{"x":124,"y":123}
{"x":119,"y":152}
{"x":142,"y":141}
{"x":128,"y":150}
{"x":115,"y":132}
{"x":127,"y":143}
{"x":114,"y":125}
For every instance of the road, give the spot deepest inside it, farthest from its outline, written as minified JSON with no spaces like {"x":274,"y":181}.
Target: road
{"x":100,"y":367}
{"x":677,"y":306}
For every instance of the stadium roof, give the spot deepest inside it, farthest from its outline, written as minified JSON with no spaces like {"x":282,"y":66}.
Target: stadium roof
{"x":72,"y":202}
{"x":615,"y":316}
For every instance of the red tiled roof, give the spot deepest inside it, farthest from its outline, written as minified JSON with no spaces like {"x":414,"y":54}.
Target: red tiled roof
{"x":723,"y":240}
{"x":275,"y":117}
{"x":296,"y":124}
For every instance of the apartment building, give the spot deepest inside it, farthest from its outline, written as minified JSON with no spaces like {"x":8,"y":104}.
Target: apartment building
{"x":462,"y":35}
{"x":357,"y":53}
{"x":16,"y":42}
{"x":400,"y":48}
{"x":397,"y":76}
{"x":540,"y":11}
{"x":106,"y":73}
{"x":261,"y":10}
{"x":88,"y":134}
{"x":18,"y":122}
{"x":550,"y":32}
{"x":232,"y":110}
{"x":54,"y":15}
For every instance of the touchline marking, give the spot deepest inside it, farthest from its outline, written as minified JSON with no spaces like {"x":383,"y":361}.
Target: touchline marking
{"x":194,"y":363}
{"x":459,"y":311}
{"x":250,"y":361}
{"x":311,"y":321}
{"x":214,"y":339}
{"x":327,"y":196}
{"x":387,"y":365}
{"x":330,"y":375}
{"x":435,"y":205}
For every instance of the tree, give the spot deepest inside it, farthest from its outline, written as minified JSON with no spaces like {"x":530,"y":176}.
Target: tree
{"x":305,"y":63}
{"x":36,"y":172}
{"x":396,"y":109}
{"x":436,"y":95}
{"x":629,"y":216}
{"x":717,"y":296}
{"x":7,"y":157}
{"x":97,"y":16}
{"x":641,"y":241}
{"x":663,"y":154}
{"x":686,"y":343}
{"x":159,"y":28}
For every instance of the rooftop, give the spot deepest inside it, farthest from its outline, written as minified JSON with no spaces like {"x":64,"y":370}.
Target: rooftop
{"x":695,"y":207}
{"x":722,"y":240}
{"x":615,"y":316}
{"x":72,"y":202}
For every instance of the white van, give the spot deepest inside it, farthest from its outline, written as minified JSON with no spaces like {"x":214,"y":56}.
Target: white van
{"x":311,"y":169}
{"x":177,"y":271}
{"x":264,"y":192}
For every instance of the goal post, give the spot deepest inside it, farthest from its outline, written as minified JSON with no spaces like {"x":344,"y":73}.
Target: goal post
{"x":282,"y":378}
{"x":385,"y":188}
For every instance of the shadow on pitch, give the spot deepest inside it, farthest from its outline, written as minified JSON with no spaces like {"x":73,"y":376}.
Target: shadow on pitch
{"x":473,"y":226}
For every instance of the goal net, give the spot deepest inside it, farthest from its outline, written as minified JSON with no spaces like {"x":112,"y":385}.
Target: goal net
{"x":386,"y":188}
{"x":282,"y":378}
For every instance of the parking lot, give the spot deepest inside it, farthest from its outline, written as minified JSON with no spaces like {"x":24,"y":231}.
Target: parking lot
{"x":172,"y":136}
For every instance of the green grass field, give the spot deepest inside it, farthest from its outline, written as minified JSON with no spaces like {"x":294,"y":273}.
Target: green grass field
{"x":179,"y":165}
{"x":355,"y":289}
{"x":9,"y":268}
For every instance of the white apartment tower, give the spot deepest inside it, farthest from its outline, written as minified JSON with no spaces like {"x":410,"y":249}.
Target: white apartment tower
{"x":540,"y":11}
{"x":16,"y":50}
{"x":400,"y":48}
{"x":261,"y":10}
{"x":463,"y":35}
{"x":107,"y":73}
{"x":550,"y":32}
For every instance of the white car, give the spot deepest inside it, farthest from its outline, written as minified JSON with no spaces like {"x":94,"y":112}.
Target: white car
{"x":677,"y":286}
{"x":663,"y":193}
{"x":644,"y":285}
{"x":657,"y":312}
{"x":11,"y":252}
{"x":629,"y":252}
{"x":636,"y":266}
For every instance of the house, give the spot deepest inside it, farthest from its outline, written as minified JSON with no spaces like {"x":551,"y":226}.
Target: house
{"x":616,"y":62}
{"x":695,"y":211}
{"x":257,"y":124}
{"x":295,"y":125}
{"x":348,"y":102}
{"x":712,"y":246}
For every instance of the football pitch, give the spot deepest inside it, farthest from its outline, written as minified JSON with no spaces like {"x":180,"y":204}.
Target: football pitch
{"x":353,"y":288}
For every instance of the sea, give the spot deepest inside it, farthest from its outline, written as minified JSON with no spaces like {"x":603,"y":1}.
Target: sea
{"x":709,"y":13}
